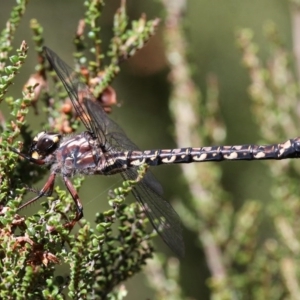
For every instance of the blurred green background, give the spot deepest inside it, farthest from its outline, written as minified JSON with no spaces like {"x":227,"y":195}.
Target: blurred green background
{"x":143,"y":91}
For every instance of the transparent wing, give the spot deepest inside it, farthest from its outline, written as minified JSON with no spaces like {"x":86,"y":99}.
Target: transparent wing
{"x":106,"y":129}
{"x":112,"y":139}
{"x":148,"y":191}
{"x":72,"y":84}
{"x":108,"y":133}
{"x":161,"y":214}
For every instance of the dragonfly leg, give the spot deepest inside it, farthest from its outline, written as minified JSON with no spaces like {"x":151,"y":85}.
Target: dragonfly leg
{"x":37,"y":191}
{"x":74,"y":194}
{"x":45,"y":191}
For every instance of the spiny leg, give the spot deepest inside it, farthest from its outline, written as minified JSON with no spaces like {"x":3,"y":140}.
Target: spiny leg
{"x":76,"y":199}
{"x":37,"y":191}
{"x":46,"y":190}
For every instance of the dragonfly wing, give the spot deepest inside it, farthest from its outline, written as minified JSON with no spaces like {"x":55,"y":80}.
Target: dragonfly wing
{"x":73,"y":85}
{"x":115,"y":138}
{"x":161,"y":214}
{"x":148,"y":191}
{"x":112,"y":139}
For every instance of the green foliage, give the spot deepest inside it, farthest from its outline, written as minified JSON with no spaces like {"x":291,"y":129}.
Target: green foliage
{"x":32,"y":247}
{"x":242,"y":263}
{"x":8,"y":33}
{"x":99,"y":257}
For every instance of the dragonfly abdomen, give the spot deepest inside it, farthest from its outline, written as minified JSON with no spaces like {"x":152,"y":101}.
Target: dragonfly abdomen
{"x":288,"y":149}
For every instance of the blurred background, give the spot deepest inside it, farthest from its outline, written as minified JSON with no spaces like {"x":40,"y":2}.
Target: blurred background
{"x":143,"y":90}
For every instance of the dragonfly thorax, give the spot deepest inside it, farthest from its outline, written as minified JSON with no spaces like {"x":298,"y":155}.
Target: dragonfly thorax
{"x":44,"y":144}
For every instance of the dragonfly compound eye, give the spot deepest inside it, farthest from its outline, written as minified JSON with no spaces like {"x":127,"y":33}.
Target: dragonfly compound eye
{"x":43,"y":144}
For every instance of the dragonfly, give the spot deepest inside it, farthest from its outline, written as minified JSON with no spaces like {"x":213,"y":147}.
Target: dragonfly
{"x":104,"y":149}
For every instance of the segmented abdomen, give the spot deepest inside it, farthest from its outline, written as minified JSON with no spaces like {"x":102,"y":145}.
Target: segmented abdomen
{"x":289,"y":149}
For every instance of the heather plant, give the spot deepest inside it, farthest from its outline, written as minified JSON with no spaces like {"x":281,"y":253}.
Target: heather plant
{"x":98,"y":256}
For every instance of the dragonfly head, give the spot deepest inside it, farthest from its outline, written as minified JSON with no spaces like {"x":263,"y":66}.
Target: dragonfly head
{"x":43,"y":144}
